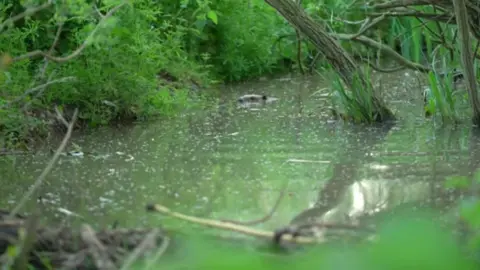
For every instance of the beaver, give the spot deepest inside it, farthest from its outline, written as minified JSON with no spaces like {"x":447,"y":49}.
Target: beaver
{"x":254,"y":100}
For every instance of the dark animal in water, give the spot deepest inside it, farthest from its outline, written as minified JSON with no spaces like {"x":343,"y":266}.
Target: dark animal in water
{"x":254,"y":100}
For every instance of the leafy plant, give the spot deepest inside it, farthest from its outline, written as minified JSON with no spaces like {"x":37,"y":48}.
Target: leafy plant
{"x":440,"y":96}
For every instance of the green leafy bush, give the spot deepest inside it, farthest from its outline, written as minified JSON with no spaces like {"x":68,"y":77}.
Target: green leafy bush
{"x":247,"y":37}
{"x":141,"y":61}
{"x":116,"y":74}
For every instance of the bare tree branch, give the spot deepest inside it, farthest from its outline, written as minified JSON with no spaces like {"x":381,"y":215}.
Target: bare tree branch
{"x":48,"y":168}
{"x":78,"y":51}
{"x":96,"y":249}
{"x":402,"y":3}
{"x":28,"y":12}
{"x":445,"y":17}
{"x":368,"y":25}
{"x":384,"y":70}
{"x":98,"y":11}
{"x":38,"y":87}
{"x":50,"y":52}
{"x":268,"y":215}
{"x":385,"y":49}
{"x":147,"y":243}
{"x":160,"y":252}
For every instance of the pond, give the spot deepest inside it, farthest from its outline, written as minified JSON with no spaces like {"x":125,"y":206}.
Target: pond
{"x":230,"y":163}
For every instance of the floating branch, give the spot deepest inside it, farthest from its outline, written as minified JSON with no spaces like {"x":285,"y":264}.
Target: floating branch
{"x":251,"y":231}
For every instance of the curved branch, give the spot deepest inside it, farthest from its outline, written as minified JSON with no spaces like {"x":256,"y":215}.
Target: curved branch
{"x":268,"y":215}
{"x":280,"y":38}
{"x":402,"y":3}
{"x":384,"y":70}
{"x":230,"y":226}
{"x":49,"y":166}
{"x":385,"y":49}
{"x":78,"y":51}
{"x":36,"y":88}
{"x":26,"y":13}
{"x":443,"y":17}
{"x":366,"y":26}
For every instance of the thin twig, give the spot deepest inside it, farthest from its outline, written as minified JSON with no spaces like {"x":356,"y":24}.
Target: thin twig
{"x":148,"y":242}
{"x":40,"y":91}
{"x":48,"y":168}
{"x":268,"y":215}
{"x":97,"y":250}
{"x":5,"y":152}
{"x":78,"y":51}
{"x":385,"y":49}
{"x":370,"y":25}
{"x":98,"y":11}
{"x":27,"y":243}
{"x":384,"y":70}
{"x":159,"y":253}
{"x":37,"y":88}
{"x":400,"y":3}
{"x":61,"y":118}
{"x":41,"y":74}
{"x":57,"y":38}
{"x":27,"y":12}
{"x":444,"y":17}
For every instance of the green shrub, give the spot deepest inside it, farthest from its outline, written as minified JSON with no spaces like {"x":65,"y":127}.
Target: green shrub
{"x":247,"y":32}
{"x":116,"y":75}
{"x":119,"y":73}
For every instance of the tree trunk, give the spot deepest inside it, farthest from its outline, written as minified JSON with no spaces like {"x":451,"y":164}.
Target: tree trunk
{"x":467,"y":57}
{"x":334,"y":53}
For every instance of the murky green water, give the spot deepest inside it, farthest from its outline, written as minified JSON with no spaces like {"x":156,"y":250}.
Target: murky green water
{"x":232,"y":164}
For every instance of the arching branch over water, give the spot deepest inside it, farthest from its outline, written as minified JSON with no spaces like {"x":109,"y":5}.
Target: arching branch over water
{"x":439,"y":12}
{"x":340,"y":60}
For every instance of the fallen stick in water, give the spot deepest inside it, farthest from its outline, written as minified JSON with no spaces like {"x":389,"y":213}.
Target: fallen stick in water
{"x":232,"y":226}
{"x":295,"y":160}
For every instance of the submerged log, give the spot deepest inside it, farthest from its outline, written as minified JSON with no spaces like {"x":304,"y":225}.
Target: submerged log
{"x":340,"y":60}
